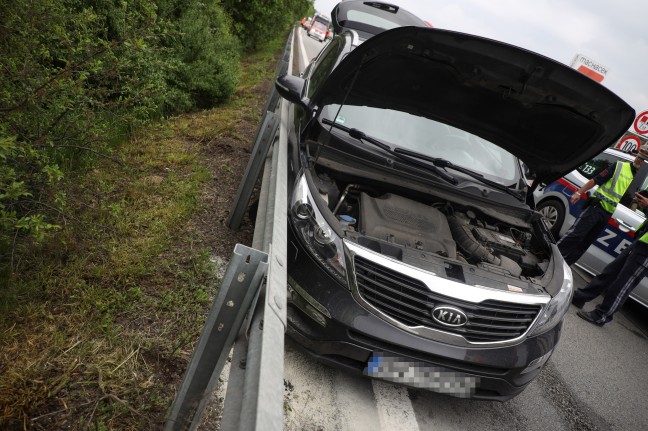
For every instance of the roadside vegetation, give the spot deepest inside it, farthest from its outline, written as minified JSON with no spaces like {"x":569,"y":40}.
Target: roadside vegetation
{"x":124,"y":129}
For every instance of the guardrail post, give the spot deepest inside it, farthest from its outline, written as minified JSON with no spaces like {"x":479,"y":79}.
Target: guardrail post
{"x":241,"y":283}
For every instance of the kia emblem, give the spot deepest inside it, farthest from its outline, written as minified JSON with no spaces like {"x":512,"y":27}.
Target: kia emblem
{"x":449,"y":316}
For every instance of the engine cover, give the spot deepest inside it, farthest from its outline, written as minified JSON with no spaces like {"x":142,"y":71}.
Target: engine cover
{"x":405,"y":222}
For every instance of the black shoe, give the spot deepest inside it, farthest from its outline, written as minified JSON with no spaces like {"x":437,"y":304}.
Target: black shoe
{"x":590,"y":317}
{"x":577,"y":304}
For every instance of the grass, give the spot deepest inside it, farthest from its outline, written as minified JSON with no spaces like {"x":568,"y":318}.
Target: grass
{"x":99,"y":322}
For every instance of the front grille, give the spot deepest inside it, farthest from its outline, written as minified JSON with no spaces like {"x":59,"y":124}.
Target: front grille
{"x":410,"y":302}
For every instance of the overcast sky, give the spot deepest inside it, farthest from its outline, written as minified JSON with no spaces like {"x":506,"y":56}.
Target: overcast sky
{"x":612,"y":33}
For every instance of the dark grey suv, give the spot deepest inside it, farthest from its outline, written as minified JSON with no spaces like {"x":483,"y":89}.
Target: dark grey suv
{"x":413,"y":254}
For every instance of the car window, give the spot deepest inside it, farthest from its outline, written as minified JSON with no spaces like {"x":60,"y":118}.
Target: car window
{"x":592,"y":168}
{"x":324,"y":65}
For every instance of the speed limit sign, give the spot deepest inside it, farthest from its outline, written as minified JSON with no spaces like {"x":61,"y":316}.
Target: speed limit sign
{"x":629,"y":143}
{"x":641,"y":123}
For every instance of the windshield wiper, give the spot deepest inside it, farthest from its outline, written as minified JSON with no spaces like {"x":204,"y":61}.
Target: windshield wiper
{"x":361,"y":136}
{"x":443,"y":163}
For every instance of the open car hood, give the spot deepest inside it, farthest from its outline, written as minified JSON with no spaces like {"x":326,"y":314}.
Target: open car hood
{"x":547,"y":114}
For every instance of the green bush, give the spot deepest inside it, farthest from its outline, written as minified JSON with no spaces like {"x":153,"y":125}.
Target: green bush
{"x":73,"y":81}
{"x":204,"y":57}
{"x":78,"y":76}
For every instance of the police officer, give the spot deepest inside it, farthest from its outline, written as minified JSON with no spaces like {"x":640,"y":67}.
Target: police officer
{"x":618,"y":278}
{"x":613,"y":183}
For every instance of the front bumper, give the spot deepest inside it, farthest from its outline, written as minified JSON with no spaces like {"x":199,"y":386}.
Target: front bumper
{"x":329,"y":323}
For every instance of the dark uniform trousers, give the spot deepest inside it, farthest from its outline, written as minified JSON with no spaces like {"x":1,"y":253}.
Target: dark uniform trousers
{"x":583,"y":233}
{"x":617,"y":281}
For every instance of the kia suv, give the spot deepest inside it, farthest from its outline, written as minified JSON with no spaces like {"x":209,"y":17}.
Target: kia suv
{"x":414,"y":255}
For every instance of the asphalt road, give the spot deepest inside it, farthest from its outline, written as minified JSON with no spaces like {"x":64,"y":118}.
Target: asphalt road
{"x":595,"y":380}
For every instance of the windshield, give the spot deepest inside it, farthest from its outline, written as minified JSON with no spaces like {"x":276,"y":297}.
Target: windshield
{"x":431,"y":138}
{"x":371,"y":19}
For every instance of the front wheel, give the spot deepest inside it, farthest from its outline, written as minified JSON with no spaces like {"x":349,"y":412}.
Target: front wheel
{"x":554,"y":212}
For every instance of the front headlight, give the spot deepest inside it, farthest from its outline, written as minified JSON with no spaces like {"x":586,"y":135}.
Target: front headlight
{"x":558,"y":306}
{"x":316,"y":234}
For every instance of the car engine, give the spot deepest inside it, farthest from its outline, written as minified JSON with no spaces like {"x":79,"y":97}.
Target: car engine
{"x":391,"y":224}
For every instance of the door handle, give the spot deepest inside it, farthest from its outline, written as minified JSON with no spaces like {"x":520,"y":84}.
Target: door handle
{"x":623,"y":226}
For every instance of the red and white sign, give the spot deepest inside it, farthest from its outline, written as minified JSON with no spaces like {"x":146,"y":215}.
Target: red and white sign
{"x":629,"y":144}
{"x":591,"y":68}
{"x":640,"y":124}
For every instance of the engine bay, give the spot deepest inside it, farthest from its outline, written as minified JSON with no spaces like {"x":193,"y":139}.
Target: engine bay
{"x":438,"y":232}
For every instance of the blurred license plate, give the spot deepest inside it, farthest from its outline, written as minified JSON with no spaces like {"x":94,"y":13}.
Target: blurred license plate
{"x":421,"y":375}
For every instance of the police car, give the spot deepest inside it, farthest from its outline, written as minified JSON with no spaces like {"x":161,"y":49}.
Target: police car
{"x":552,"y":201}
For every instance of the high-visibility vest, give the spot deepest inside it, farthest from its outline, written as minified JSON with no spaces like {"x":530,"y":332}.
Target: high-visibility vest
{"x":611,"y":192}
{"x":642,"y":232}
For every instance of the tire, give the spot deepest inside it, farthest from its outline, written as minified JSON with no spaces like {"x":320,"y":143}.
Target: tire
{"x":554,"y":213}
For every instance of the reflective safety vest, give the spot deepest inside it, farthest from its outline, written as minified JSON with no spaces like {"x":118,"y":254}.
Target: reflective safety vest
{"x":611,"y":192}
{"x":641,"y":233}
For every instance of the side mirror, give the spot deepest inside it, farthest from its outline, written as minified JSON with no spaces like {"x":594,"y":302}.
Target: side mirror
{"x":290,"y":88}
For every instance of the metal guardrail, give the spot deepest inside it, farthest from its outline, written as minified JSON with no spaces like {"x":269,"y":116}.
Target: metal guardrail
{"x":265,"y":132}
{"x":254,"y":289}
{"x":262,"y":143}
